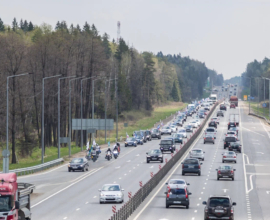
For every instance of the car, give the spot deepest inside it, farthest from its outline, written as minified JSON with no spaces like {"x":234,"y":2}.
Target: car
{"x":173,"y":141}
{"x":178,"y":138}
{"x":232,"y":105}
{"x":220,"y":113}
{"x":201,"y":115}
{"x":140,"y":133}
{"x":229,"y":156}
{"x":154,"y":155}
{"x":235,"y":146}
{"x":189,"y":128}
{"x":212,"y":124}
{"x":209,"y":138}
{"x":182,"y":132}
{"x":223,"y":107}
{"x":191,"y":165}
{"x":198,"y":121}
{"x":210,"y":130}
{"x":228,"y":139}
{"x":225,"y":171}
{"x":231,"y":124}
{"x":173,"y":128}
{"x":131,"y":142}
{"x":139,"y":139}
{"x":189,"y":113}
{"x":177,"y":196}
{"x":234,"y":129}
{"x":219,"y":207}
{"x":156,"y":134}
{"x":111,"y":193}
{"x":180,"y":122}
{"x":194,"y":124}
{"x":167,"y":145}
{"x":80,"y":164}
{"x":207,"y":107}
{"x":197,"y":153}
{"x":231,"y":133}
{"x":215,"y":119}
{"x":175,"y":183}
{"x":143,"y":133}
{"x":166,"y":130}
{"x":148,"y":135}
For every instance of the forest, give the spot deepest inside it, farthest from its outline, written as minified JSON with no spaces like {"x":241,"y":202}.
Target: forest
{"x":137,"y":80}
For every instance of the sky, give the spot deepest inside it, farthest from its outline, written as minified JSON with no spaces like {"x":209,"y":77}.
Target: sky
{"x":225,"y":34}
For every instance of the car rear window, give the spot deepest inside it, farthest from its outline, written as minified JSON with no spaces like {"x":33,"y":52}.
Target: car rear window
{"x":214,"y":202}
{"x":196,"y":151}
{"x":166,"y":142}
{"x":190,"y":161}
{"x":230,"y":139}
{"x":177,"y":182}
{"x":178,"y":191}
{"x":147,"y":132}
{"x":210,"y":130}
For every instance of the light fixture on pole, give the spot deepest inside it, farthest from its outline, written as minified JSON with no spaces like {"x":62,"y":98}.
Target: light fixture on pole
{"x":6,"y":157}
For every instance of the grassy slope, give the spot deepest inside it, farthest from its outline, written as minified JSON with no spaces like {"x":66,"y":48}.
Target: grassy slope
{"x":138,"y":120}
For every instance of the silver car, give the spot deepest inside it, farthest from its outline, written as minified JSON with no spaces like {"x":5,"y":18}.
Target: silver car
{"x":229,"y":156}
{"x":175,"y":183}
{"x":183,"y":132}
{"x":111,"y":193}
{"x":166,"y":130}
{"x":197,"y":153}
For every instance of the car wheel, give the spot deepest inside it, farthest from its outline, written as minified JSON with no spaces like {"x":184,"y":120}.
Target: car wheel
{"x":222,"y":161}
{"x":183,"y":173}
{"x":234,"y":161}
{"x":239,"y":151}
{"x":233,"y":179}
{"x":147,"y":161}
{"x":83,"y":170}
{"x":199,"y":173}
{"x":203,"y":159}
{"x":170,"y":133}
{"x":203,"y":142}
{"x":100,"y":202}
{"x":187,"y":207}
{"x":224,"y":147}
{"x":213,"y":142}
{"x":167,"y":206}
{"x":217,"y":178}
{"x":125,"y":145}
{"x":135,"y":145}
{"x":161,"y":161}
{"x":69,"y":170}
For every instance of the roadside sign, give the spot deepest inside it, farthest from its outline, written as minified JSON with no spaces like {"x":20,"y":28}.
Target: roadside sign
{"x":109,"y":143}
{"x":245,"y":97}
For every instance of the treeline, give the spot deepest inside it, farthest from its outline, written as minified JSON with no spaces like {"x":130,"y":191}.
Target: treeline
{"x":256,"y":70}
{"x":139,"y":80}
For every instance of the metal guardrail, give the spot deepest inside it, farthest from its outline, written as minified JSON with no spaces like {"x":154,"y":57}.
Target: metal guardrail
{"x":129,"y":207}
{"x":37,"y":168}
{"x":259,"y":116}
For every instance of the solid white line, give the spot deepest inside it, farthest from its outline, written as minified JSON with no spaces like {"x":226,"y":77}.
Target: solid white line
{"x":250,"y":130}
{"x":64,"y":188}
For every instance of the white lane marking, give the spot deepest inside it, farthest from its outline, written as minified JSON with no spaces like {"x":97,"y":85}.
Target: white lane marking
{"x":256,"y":143}
{"x":265,"y":129}
{"x":125,"y":174}
{"x":117,"y":167}
{"x":259,"y":174}
{"x":245,"y":156}
{"x":259,"y":152}
{"x":195,"y":211}
{"x":137,"y":155}
{"x":65,"y":188}
{"x":77,"y":209}
{"x":151,"y":167}
{"x":252,"y":131}
{"x":128,"y":161}
{"x":267,"y":192}
{"x":200,"y":198}
{"x":225,"y":190}
{"x":129,"y":171}
{"x":114,"y":182}
{"x":120,"y":178}
{"x":95,"y":197}
{"x":86,"y":203}
{"x":65,"y":218}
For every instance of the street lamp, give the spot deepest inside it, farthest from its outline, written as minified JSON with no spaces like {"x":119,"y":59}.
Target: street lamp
{"x":59,"y":111}
{"x":6,"y":159}
{"x":69,"y":129}
{"x":42,"y":115}
{"x":82,"y":110}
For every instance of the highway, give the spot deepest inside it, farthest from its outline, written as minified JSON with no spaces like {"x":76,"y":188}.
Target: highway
{"x":250,"y":189}
{"x":63,"y":195}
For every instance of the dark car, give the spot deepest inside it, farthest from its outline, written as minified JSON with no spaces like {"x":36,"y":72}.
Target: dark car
{"x":154,"y":155}
{"x":228,"y":140}
{"x":225,"y":171}
{"x":201,"y":115}
{"x":167,"y":145}
{"x":223,"y":107}
{"x":220,"y":113}
{"x":148,"y":135}
{"x":177,"y":196}
{"x":189,"y":113}
{"x":189,"y":128}
{"x":178,"y":138}
{"x":219,"y":207}
{"x":80,"y":164}
{"x":209,"y":139}
{"x":139,"y":139}
{"x":212,"y":124}
{"x":156,"y":134}
{"x":191,"y":166}
{"x":232,"y":105}
{"x":235,"y":146}
{"x":231,"y":124}
{"x":131,"y":142}
{"x":141,"y":133}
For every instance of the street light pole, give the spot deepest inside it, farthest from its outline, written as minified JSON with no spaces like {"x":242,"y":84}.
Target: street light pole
{"x":59,"y":111}
{"x":82,"y":109}
{"x":6,"y":159}
{"x":69,"y":115}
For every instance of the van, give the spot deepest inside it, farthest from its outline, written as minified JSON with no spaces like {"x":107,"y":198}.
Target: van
{"x":211,"y":131}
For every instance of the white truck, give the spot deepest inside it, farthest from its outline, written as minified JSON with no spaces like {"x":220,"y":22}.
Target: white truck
{"x":213,"y":98}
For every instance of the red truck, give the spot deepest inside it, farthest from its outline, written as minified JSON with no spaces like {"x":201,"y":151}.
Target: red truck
{"x":14,"y":198}
{"x":234,"y":100}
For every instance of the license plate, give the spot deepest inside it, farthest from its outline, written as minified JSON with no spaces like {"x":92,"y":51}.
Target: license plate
{"x":177,"y":202}
{"x":129,"y":144}
{"x":190,"y":166}
{"x":220,"y":211}
{"x":225,"y":176}
{"x":154,"y":158}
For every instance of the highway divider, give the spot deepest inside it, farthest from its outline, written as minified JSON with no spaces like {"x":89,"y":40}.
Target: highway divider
{"x":129,"y":207}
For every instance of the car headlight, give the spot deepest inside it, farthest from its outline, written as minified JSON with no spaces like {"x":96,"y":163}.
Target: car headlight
{"x":134,"y":142}
{"x":81,"y":165}
{"x":160,"y":156}
{"x":102,"y":195}
{"x":119,"y":195}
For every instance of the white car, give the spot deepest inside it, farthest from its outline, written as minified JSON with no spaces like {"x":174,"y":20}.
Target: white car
{"x":194,"y":124}
{"x":198,"y":121}
{"x":173,"y":128}
{"x":183,"y":132}
{"x":175,"y":183}
{"x":216,"y":119}
{"x":111,"y":193}
{"x":166,"y":130}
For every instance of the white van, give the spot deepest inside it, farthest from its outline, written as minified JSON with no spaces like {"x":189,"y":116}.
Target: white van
{"x":211,"y":131}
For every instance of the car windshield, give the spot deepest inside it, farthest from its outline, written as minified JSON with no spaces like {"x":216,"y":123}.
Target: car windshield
{"x":156,"y":151}
{"x":111,"y":188}
{"x":5,"y":203}
{"x":77,"y":160}
{"x":235,"y":144}
{"x":224,"y":202}
{"x":225,"y":168}
{"x":167,"y":127}
{"x":210,"y":130}
{"x":148,"y":132}
{"x":191,"y":161}
{"x":178,"y":191}
{"x":129,"y":139}
{"x":197,"y":151}
{"x":155,"y":131}
{"x":166,"y":142}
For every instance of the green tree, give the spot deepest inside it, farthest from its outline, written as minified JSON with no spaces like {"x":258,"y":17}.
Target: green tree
{"x":86,"y":28}
{"x":30,"y":26}
{"x":25,"y":26}
{"x":106,"y":45}
{"x":175,"y":93}
{"x":2,"y":26}
{"x":14,"y":25}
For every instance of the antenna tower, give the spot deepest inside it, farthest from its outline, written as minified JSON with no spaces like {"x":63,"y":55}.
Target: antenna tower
{"x":118,"y":31}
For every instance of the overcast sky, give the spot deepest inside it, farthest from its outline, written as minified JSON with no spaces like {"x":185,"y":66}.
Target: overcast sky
{"x":225,"y":34}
